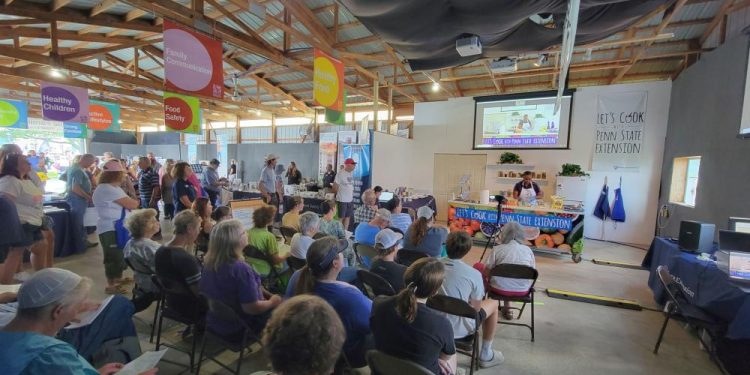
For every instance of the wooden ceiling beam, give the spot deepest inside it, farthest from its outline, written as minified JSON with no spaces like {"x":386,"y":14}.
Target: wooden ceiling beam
{"x":88,"y":53}
{"x":725,"y":6}
{"x":102,"y":7}
{"x":58,"y":4}
{"x":39,"y":11}
{"x":21,"y":21}
{"x":356,"y":42}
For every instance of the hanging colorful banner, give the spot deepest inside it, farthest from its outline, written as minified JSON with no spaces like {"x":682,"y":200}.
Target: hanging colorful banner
{"x":192,"y":62}
{"x":327,"y":148}
{"x":336,"y":117}
{"x":104,"y":116}
{"x":13,"y":114}
{"x":65,"y":103}
{"x":182,"y":113}
{"x":328,"y":81}
{"x":74,"y":130}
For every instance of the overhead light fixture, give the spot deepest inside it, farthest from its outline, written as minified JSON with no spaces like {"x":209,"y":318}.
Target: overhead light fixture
{"x":587,"y":57}
{"x":435,"y":87}
{"x":469,"y":46}
{"x":541,"y":60}
{"x":119,"y":121}
{"x":55,"y":73}
{"x":258,"y":112}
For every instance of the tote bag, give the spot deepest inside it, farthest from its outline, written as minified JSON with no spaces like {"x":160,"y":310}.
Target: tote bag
{"x":121,"y":233}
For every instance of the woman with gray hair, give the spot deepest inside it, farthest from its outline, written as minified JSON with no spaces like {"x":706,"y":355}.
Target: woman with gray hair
{"x":140,"y":251}
{"x":309,"y":222}
{"x":511,"y":250}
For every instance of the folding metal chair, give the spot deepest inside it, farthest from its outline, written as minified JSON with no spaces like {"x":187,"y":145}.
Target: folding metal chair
{"x":457,"y":307}
{"x":288,"y":233}
{"x":146,"y":298}
{"x":678,"y":307}
{"x":374,"y":285}
{"x":362,"y":250}
{"x":246,"y":336}
{"x":517,"y":271}
{"x":295,"y":263}
{"x":272,"y":281}
{"x":385,"y":364}
{"x":406,"y":257}
{"x":319,"y":235}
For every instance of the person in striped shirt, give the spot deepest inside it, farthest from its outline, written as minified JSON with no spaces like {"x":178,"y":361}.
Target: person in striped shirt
{"x":399,"y":220}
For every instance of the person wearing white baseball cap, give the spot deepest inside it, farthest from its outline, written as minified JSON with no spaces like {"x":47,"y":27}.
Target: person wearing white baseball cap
{"x":387,"y":244}
{"x":46,"y":303}
{"x":423,"y":235}
{"x":267,"y":183}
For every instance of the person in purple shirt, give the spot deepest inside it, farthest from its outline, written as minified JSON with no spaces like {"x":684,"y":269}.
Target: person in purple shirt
{"x":318,"y":277}
{"x":227,"y":278}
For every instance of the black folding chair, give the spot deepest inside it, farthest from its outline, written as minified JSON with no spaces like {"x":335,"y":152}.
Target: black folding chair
{"x":193,"y":318}
{"x":319,"y":235}
{"x":468,"y":345}
{"x":678,"y":307}
{"x":272,"y":281}
{"x":243,"y":339}
{"x":362,"y":250}
{"x":295,"y":263}
{"x":406,"y":257}
{"x":374,"y":285}
{"x":144,"y":298}
{"x":517,"y":271}
{"x":385,"y":364}
{"x":288,"y":233}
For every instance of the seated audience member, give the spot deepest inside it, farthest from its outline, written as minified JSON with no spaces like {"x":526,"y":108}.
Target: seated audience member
{"x":465,"y":283}
{"x":16,"y":186}
{"x":368,"y":209}
{"x":328,"y":225}
{"x":309,"y":346}
{"x":366,"y":232}
{"x":221,"y":213}
{"x":202,"y":207}
{"x":404,"y":327}
{"x":318,"y":277}
{"x":291,"y":217}
{"x":175,"y":261}
{"x":265,"y":241}
{"x":308,"y":222}
{"x":140,"y":251}
{"x":387,"y":243}
{"x":400,"y":221}
{"x":48,"y":301}
{"x":424,"y":236}
{"x":378,"y":190}
{"x":227,"y":278}
{"x":511,"y":250}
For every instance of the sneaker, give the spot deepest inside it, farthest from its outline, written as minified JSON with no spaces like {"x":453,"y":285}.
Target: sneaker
{"x":507,"y":313}
{"x":497,"y":359}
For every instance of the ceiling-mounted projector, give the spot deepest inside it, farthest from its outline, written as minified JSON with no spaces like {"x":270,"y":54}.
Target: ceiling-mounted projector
{"x":504,"y":65}
{"x":469,"y":46}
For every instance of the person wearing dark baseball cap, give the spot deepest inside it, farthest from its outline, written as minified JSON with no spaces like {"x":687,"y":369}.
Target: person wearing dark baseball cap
{"x":343,"y":186}
{"x":318,"y":277}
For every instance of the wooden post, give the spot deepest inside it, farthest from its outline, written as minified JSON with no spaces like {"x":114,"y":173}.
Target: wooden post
{"x":135,"y":62}
{"x":376,"y":100}
{"x":273,"y":128}
{"x":335,"y":22}
{"x":316,"y":125}
{"x":208,"y":132}
{"x":238,"y":133}
{"x":53,"y":38}
{"x":390,"y":108}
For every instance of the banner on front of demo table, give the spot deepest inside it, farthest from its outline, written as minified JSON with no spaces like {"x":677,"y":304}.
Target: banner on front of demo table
{"x":104,"y":116}
{"x":328,"y":81}
{"x":619,"y":131}
{"x":539,"y":221}
{"x":74,"y":130}
{"x":13,"y":114}
{"x":192,"y":62}
{"x":182,"y":113}
{"x":65,"y":103}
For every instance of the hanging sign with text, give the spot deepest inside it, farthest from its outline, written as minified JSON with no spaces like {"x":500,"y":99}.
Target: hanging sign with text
{"x":620,"y":130}
{"x":182,"y":113}
{"x":192,"y":62}
{"x":65,"y":103}
{"x":74,"y":130}
{"x":13,"y":114}
{"x":328,"y":81}
{"x":104,"y":116}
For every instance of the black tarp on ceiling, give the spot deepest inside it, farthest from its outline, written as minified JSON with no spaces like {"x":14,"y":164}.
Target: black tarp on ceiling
{"x":425,"y":31}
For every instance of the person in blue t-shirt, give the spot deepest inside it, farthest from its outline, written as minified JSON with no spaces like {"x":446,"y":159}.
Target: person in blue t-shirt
{"x":318,"y":277}
{"x":366,"y":232}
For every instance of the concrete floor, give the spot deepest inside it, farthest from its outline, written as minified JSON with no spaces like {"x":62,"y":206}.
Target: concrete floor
{"x":571,"y":337}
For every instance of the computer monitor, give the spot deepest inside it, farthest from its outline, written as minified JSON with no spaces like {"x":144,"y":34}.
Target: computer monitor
{"x":739,"y":265}
{"x":734,"y":241}
{"x":386,"y":196}
{"x":739,"y":224}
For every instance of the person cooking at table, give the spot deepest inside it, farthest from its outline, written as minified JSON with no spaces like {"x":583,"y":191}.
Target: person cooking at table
{"x":526,"y":190}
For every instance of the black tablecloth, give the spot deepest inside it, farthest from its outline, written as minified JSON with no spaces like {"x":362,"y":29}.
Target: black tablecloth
{"x":703,"y":284}
{"x":64,"y":244}
{"x":246,"y":195}
{"x":415,"y":203}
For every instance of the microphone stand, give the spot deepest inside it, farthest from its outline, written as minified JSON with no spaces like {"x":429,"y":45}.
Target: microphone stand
{"x":491,"y":241}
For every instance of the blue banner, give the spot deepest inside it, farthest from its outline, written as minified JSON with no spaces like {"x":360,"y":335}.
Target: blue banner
{"x":74,"y":130}
{"x":529,"y":220}
{"x":13,"y":114}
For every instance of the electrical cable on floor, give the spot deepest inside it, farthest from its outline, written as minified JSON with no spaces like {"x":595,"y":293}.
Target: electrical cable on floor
{"x":617,"y":243}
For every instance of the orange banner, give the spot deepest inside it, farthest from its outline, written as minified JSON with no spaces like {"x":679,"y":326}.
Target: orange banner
{"x":328,"y":81}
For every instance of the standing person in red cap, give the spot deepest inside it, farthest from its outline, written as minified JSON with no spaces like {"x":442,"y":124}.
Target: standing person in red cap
{"x":343,"y":186}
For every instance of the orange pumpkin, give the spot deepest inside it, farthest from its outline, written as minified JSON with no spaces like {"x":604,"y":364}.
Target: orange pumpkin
{"x":557,"y":238}
{"x":544,"y":240}
{"x":476,"y":225}
{"x":451,"y":213}
{"x":469,"y":231}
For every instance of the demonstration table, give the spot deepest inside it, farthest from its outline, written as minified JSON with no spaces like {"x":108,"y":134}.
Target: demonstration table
{"x":703,"y":283}
{"x":415,"y":203}
{"x":548,"y":230}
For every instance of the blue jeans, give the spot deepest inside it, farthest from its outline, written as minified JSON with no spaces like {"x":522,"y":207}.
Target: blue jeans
{"x":78,"y":207}
{"x":116,"y":321}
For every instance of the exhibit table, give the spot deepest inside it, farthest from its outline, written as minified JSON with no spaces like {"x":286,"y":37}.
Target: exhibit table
{"x":59,"y":212}
{"x":703,"y":283}
{"x":548,"y":230}
{"x":237,"y":195}
{"x":415,"y":203}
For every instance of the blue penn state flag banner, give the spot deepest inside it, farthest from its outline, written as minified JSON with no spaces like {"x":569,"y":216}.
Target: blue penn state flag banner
{"x":539,"y":221}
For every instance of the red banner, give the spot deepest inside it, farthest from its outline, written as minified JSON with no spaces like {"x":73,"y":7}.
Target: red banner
{"x":192,"y":62}
{"x":328,"y":81}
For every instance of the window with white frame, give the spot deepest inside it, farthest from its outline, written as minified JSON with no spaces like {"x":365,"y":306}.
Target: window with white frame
{"x":684,"y":187}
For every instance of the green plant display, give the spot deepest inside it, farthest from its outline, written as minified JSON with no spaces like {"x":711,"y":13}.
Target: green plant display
{"x":510,"y":158}
{"x":572,"y":170}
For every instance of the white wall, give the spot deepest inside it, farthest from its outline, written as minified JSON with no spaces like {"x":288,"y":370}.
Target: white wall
{"x":447,"y":127}
{"x":389,"y":168}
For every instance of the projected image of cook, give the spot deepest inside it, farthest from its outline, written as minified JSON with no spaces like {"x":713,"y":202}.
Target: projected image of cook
{"x":525,"y":124}
{"x":526,"y":190}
